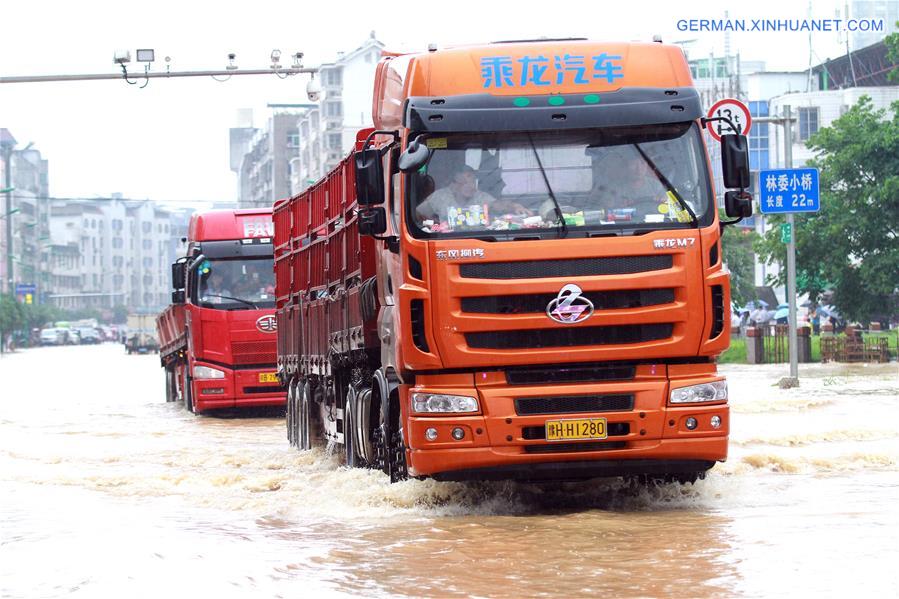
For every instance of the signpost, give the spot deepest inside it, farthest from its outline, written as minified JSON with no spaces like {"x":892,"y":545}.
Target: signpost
{"x":788,"y":191}
{"x":734,"y":110}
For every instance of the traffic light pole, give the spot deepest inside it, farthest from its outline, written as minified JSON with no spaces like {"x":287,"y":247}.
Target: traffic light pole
{"x":791,"y":253}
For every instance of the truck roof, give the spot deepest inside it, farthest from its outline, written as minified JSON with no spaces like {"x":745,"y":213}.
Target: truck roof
{"x":218,"y":225}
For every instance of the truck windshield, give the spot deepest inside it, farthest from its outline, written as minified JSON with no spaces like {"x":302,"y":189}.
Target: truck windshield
{"x":475,"y":184}
{"x":236,"y":284}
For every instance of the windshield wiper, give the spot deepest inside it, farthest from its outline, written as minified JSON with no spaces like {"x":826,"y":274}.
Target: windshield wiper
{"x":236,"y":299}
{"x":668,"y":186}
{"x":563,"y":226}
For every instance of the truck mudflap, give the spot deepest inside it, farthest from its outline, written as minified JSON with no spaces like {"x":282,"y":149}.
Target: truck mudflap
{"x":578,"y":470}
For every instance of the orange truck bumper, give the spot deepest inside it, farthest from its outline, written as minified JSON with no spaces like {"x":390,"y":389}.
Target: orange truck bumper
{"x":499,"y":443}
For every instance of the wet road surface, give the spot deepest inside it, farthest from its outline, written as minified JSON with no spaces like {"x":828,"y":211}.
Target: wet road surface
{"x":109,"y":491}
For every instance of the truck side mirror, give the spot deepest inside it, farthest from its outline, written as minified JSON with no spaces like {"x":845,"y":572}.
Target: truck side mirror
{"x":178,"y":274}
{"x":372,"y":221}
{"x":737,"y":204}
{"x":735,"y":161}
{"x":369,"y":178}
{"x":178,"y":296}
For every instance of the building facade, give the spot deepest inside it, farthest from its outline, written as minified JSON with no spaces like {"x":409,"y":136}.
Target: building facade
{"x":110,"y":252}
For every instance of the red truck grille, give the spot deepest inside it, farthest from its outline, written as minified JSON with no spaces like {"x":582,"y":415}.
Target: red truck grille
{"x":254,"y":352}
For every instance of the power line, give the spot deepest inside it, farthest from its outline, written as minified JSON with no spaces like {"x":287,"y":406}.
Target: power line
{"x":109,"y":199}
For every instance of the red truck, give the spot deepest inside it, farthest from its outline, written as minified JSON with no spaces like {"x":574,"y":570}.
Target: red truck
{"x":518,"y":273}
{"x":217,"y":338}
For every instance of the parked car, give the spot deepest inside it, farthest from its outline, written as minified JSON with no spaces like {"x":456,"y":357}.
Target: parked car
{"x":89,"y":336}
{"x":73,"y":337}
{"x":53,"y":336}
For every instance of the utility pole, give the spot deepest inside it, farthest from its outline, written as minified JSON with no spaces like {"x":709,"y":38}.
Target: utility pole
{"x":791,"y":251}
{"x":7,"y":143}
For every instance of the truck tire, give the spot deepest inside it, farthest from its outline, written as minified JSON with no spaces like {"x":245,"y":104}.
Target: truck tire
{"x":170,"y":395}
{"x":291,"y":390}
{"x":188,"y":395}
{"x":304,"y":419}
{"x":397,"y":468}
{"x":350,"y":431}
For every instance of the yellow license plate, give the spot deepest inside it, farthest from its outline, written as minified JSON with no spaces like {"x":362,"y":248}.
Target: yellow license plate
{"x":268,"y":377}
{"x":575,"y":429}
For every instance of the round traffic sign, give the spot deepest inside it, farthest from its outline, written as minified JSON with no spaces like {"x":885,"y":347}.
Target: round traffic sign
{"x":732,"y":109}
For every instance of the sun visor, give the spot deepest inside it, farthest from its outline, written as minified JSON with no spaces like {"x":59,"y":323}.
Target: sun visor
{"x":236,"y":249}
{"x":487,"y":112}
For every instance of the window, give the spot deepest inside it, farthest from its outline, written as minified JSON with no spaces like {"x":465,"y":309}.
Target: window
{"x":146,"y":227}
{"x":333,"y":77}
{"x":758,"y":137}
{"x":147,"y":244}
{"x":117,"y":242}
{"x":808,"y":122}
{"x":333,"y":109}
{"x":334,"y":140}
{"x":293,"y":140}
{"x":148,"y":262}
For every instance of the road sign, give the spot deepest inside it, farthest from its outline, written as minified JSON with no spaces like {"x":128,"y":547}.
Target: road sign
{"x":788,"y":190}
{"x":732,"y":109}
{"x":25,"y":292}
{"x":786,"y":232}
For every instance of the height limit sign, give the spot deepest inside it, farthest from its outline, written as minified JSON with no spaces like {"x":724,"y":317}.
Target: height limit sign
{"x":735,"y":112}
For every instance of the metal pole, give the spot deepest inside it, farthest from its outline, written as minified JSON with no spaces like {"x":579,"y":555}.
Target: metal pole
{"x":791,"y":252}
{"x":7,"y":170}
{"x":282,"y":72}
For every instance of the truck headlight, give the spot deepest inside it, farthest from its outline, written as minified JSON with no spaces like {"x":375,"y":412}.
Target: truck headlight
{"x":705,"y":392}
{"x":438,"y":403}
{"x":205,"y":372}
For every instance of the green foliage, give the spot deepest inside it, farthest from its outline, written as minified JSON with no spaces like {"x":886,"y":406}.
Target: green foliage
{"x":892,"y":43}
{"x":736,"y":246}
{"x":850,"y":245}
{"x":11,"y":316}
{"x":736,"y":353}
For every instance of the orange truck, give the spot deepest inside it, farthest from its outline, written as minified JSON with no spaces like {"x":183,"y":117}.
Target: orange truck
{"x":517,"y":272}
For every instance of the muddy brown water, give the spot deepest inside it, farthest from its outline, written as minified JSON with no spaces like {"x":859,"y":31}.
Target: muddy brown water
{"x":107,"y":491}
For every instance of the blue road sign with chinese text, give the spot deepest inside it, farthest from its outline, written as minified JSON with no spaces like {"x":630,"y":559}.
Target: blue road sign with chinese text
{"x":786,"y":190}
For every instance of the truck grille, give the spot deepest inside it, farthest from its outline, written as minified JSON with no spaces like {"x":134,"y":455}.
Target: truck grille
{"x":536,"y":303}
{"x":577,"y":267}
{"x":526,"y":406}
{"x":254,"y":352}
{"x":530,"y":339}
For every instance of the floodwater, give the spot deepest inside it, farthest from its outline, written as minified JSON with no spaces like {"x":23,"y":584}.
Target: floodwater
{"x":107,"y":491}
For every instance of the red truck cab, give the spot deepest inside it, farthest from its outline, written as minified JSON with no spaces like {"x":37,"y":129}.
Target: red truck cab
{"x":217,"y":338}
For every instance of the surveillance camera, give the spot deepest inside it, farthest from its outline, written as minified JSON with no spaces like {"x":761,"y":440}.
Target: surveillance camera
{"x":298,"y":60}
{"x":231,"y":55}
{"x":276,"y":55}
{"x":121,"y":56}
{"x":314,"y":90}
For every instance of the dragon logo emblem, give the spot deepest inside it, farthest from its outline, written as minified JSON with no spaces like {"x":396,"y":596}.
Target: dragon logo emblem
{"x":570,"y":306}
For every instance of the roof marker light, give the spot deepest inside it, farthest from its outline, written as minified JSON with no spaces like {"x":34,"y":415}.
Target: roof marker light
{"x":556,"y":100}
{"x":521,"y":102}
{"x":591,"y":99}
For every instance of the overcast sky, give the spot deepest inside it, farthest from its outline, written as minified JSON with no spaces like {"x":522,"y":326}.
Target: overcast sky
{"x":169,"y":142}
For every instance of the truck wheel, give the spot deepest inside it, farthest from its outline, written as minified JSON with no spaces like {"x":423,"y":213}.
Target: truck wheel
{"x":305,"y":420}
{"x":188,"y":396}
{"x":350,"y":425}
{"x":169,"y":385}
{"x":396,"y":446}
{"x":288,"y":419}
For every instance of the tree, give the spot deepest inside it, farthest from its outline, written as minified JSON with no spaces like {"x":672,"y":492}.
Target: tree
{"x":892,"y":44}
{"x":736,"y":244}
{"x":11,"y":317}
{"x":851,"y":245}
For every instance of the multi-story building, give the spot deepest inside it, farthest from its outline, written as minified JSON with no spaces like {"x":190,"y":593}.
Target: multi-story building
{"x":121,"y":250}
{"x":28,"y":218}
{"x":263,"y":169}
{"x":327,"y":131}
